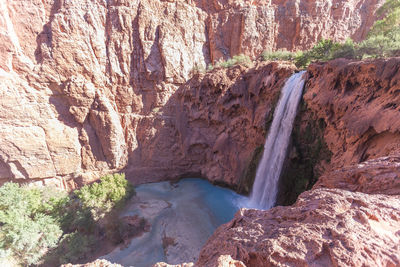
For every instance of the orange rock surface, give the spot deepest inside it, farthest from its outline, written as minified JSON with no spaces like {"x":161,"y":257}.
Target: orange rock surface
{"x":86,"y":86}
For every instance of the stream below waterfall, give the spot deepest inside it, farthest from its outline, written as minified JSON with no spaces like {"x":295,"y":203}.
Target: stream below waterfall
{"x":182,"y":217}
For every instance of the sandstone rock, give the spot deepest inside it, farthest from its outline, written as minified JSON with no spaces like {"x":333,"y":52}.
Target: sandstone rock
{"x":227,"y":261}
{"x":102,"y":78}
{"x":30,"y":130}
{"x":358,"y":101}
{"x":217,"y":121}
{"x":326,"y":227}
{"x":253,"y":26}
{"x":223,"y":261}
{"x":377,"y":176}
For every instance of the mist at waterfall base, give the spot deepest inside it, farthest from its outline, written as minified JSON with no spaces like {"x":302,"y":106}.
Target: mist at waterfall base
{"x":184,"y":215}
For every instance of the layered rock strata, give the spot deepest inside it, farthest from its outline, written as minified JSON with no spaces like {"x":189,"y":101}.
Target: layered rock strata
{"x":87,"y":85}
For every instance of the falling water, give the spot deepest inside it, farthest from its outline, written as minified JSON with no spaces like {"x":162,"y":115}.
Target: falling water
{"x":269,"y":169}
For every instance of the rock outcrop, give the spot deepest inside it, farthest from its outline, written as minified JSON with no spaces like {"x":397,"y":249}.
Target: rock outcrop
{"x":87,"y":85}
{"x":326,"y":227}
{"x":351,"y":215}
{"x":359,"y":103}
{"x":217,"y":121}
{"x":376,"y":176}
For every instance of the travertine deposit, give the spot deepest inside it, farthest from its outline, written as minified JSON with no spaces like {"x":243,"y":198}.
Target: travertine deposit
{"x":359,"y":102}
{"x":87,"y":86}
{"x":326,"y":227}
{"x":375,"y":176}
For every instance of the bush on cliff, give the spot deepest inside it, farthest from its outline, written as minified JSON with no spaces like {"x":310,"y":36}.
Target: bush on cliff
{"x":280,"y":55}
{"x":384,"y":37}
{"x":235,"y":60}
{"x":326,"y":50}
{"x":46,"y":224}
{"x":383,"y":40}
{"x":89,"y":214}
{"x":101,"y":198}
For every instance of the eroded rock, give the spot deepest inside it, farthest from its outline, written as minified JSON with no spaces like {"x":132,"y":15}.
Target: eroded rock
{"x":107,"y":76}
{"x":325,"y":227}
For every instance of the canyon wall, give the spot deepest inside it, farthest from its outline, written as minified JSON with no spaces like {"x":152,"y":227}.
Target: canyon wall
{"x":351,"y":215}
{"x":89,"y":87}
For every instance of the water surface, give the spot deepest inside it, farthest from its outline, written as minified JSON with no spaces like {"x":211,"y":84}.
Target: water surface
{"x":182,"y":216}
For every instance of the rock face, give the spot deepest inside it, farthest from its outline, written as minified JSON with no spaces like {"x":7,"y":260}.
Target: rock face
{"x":87,"y":86}
{"x":97,"y":263}
{"x":351,"y":215}
{"x":217,"y":121}
{"x":326,"y":227}
{"x":376,"y":176}
{"x":359,"y":103}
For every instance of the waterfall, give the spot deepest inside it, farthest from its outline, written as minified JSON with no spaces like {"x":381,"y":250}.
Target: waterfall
{"x":265,"y":187}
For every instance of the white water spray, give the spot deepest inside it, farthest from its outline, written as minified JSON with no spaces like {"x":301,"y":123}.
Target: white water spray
{"x":265,"y":187}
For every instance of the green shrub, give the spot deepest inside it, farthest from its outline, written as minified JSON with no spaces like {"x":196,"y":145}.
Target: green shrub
{"x":235,"y":60}
{"x":72,"y":248}
{"x":390,"y":13}
{"x":35,"y":222}
{"x":100,"y":198}
{"x":382,"y":45}
{"x":282,"y":55}
{"x":384,"y":37}
{"x":198,"y":68}
{"x":345,"y":50}
{"x":26,"y":233}
{"x":322,"y":50}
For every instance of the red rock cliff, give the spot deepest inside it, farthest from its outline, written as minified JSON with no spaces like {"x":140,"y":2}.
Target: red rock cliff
{"x":87,"y":87}
{"x":351,"y":216}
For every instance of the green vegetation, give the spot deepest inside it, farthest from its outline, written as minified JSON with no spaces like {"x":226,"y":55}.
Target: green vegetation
{"x":382,"y":41}
{"x":280,"y":55}
{"x":101,"y":198}
{"x":47,"y":225}
{"x":27,"y":229}
{"x":235,"y":60}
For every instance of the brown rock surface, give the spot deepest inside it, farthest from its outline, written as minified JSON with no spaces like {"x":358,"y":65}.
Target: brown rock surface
{"x":217,"y":121}
{"x":87,"y":80}
{"x":376,"y":176}
{"x":351,"y":216}
{"x":96,"y":263}
{"x":223,"y":261}
{"x":359,"y":102}
{"x":163,"y":264}
{"x":325,"y":227}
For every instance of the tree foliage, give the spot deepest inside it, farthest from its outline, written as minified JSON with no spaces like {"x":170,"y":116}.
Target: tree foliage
{"x":47,"y":224}
{"x":27,"y":230}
